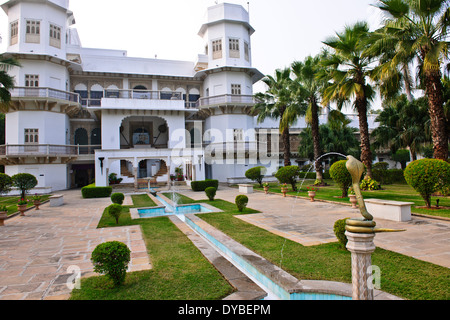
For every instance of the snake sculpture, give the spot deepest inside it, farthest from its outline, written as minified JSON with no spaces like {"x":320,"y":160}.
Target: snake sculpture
{"x":365,"y":225}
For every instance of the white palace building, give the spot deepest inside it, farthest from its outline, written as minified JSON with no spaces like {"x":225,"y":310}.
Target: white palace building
{"x":80,"y":114}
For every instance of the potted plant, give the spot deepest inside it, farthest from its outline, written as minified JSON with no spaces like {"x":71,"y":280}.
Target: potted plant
{"x":266,"y":187}
{"x":352,"y":197}
{"x":284,"y":189}
{"x":311,"y":193}
{"x":22,"y":206}
{"x":37,"y":201}
{"x":3,"y":215}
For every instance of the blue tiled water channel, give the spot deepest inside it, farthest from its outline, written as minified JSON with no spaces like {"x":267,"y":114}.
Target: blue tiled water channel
{"x":275,"y":290}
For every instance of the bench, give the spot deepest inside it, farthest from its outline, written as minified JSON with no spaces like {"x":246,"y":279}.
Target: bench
{"x":389,"y":210}
{"x":246,"y":188}
{"x":56,"y":200}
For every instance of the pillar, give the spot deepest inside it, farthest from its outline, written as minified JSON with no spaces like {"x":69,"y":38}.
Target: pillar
{"x":361,"y":246}
{"x":135,"y":173}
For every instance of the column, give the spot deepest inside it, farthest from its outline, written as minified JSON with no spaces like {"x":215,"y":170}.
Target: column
{"x":135,"y":173}
{"x":361,"y":246}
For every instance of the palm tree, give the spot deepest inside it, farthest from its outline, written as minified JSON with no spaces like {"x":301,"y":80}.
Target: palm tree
{"x":309,"y":88}
{"x":348,"y":70}
{"x":278,"y":103}
{"x":403,"y":124}
{"x":418,"y":29}
{"x":6,"y":81}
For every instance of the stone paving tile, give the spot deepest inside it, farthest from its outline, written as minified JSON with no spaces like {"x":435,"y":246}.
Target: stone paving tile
{"x":37,"y":250}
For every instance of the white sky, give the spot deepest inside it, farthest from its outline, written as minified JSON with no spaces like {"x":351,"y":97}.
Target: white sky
{"x":286,"y":30}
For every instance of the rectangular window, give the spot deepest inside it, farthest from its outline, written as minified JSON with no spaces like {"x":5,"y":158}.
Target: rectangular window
{"x":31,"y":136}
{"x":236,"y":89}
{"x":55,"y":36}
{"x":14,"y":30}
{"x":217,"y":49}
{"x":32,"y":80}
{"x":246,"y":51}
{"x":33,"y":31}
{"x":234,"y":48}
{"x":238,"y":135}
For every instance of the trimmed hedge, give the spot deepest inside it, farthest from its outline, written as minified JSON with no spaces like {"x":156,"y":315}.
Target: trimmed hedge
{"x":341,"y":176}
{"x":241,"y":202}
{"x":91,"y":191}
{"x":427,"y":176}
{"x":210,"y":193}
{"x":203,"y":185}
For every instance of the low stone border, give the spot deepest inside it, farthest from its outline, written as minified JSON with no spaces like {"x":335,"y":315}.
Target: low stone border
{"x":15,"y":214}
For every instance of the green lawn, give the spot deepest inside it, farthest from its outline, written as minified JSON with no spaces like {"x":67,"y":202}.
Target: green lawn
{"x":11,"y":202}
{"x":397,"y":192}
{"x":180,"y":271}
{"x":400,"y":275}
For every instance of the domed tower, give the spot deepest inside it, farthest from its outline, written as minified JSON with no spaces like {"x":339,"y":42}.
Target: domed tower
{"x":37,"y":123}
{"x":228,"y":84}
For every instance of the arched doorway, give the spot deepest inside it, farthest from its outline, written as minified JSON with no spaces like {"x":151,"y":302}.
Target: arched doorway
{"x":81,"y":139}
{"x":96,"y":137}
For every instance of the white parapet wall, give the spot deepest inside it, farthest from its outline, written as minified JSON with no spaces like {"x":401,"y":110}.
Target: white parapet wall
{"x":389,"y":210}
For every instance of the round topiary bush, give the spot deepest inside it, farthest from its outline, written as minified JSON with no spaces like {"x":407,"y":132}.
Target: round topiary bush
{"x":241,"y":202}
{"x":288,"y":175}
{"x":256,"y":174}
{"x":115,"y":210}
{"x":117,"y":198}
{"x":111,"y":259}
{"x":339,"y":231}
{"x":427,"y":176}
{"x":24,"y":182}
{"x":5,"y":183}
{"x":211,"y":193}
{"x":341,"y":176}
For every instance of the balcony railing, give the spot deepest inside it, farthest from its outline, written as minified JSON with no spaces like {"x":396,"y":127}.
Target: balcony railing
{"x":226,"y":99}
{"x":46,"y":150}
{"x":40,"y":92}
{"x":143,"y":94}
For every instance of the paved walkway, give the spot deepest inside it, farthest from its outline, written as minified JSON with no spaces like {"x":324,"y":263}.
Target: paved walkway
{"x":312,"y":223}
{"x":37,"y":250}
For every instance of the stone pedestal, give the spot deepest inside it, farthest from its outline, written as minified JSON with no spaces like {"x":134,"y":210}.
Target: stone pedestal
{"x":361,"y":246}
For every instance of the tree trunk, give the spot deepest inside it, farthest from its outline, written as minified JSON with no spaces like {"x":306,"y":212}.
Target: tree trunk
{"x":287,"y":147}
{"x":407,"y":82}
{"x":434,"y":92}
{"x":366,"y":153}
{"x":316,"y":140}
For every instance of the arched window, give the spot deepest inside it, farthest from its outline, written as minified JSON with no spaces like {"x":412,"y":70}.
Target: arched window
{"x":82,"y":90}
{"x":141,"y":92}
{"x":194,"y":95}
{"x":96,"y":95}
{"x":166,"y":94}
{"x":112,"y":92}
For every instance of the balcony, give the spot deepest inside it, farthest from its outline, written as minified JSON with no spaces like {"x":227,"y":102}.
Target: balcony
{"x":17,"y":154}
{"x":138,"y":99}
{"x":226,"y":99}
{"x":45,"y":93}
